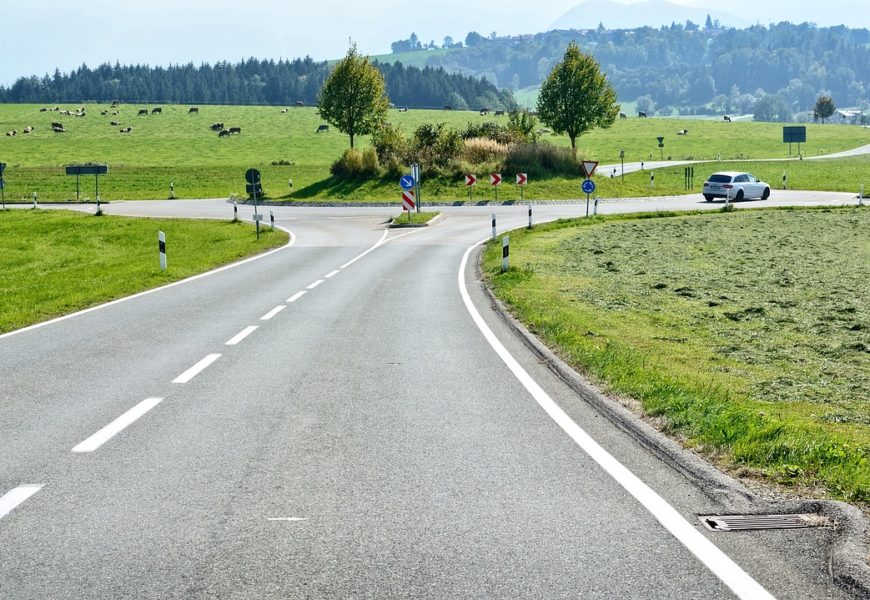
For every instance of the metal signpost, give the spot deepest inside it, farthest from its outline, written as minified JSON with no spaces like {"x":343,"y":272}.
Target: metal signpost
{"x":622,"y":163}
{"x":588,"y":187}
{"x":588,"y":167}
{"x":470,"y":180}
{"x":408,"y":202}
{"x":522,"y":181}
{"x":794,"y":134}
{"x":495,"y":181}
{"x":95,"y":170}
{"x":661,"y":140}
{"x":2,"y":185}
{"x":418,"y":183}
{"x":254,"y":187}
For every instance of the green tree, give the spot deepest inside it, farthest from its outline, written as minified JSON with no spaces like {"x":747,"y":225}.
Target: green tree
{"x":824,"y":108}
{"x":353,"y":98}
{"x":576,"y":97}
{"x":772,"y":107}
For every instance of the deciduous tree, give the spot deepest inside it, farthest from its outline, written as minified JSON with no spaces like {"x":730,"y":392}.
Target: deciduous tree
{"x":576,"y":97}
{"x":825,"y":107}
{"x":353,"y":99}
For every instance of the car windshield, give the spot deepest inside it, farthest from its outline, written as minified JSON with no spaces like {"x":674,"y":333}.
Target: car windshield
{"x":717,"y":178}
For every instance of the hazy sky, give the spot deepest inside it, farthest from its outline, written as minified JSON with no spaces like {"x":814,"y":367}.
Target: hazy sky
{"x":39,"y":35}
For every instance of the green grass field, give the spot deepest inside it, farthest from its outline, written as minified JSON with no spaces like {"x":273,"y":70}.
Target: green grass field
{"x":180,"y":148}
{"x":747,"y":332}
{"x":57,"y":262}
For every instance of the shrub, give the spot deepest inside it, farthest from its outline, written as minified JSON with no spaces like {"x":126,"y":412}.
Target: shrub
{"x":390,"y":144}
{"x":489,"y":130}
{"x":354,"y":163}
{"x":541,"y":160}
{"x":485,"y":150}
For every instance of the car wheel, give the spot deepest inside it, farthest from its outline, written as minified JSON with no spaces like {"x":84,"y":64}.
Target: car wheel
{"x":765,"y":194}
{"x":739,"y":196}
{"x":708,"y":197}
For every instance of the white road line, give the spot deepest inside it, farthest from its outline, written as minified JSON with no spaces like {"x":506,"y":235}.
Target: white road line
{"x":13,"y":498}
{"x":296,"y":296}
{"x":287,"y":519}
{"x":719,"y":563}
{"x":241,"y":335}
{"x":380,"y":243}
{"x":147,"y":292}
{"x":116,"y":426}
{"x":332,"y":274}
{"x":273,"y":312}
{"x":196,"y":369}
{"x":314,"y":285}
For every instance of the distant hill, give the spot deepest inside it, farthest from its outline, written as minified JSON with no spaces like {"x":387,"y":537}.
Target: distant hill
{"x":652,"y":13}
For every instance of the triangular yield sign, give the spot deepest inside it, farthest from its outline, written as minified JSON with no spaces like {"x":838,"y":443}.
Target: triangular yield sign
{"x":589,"y":167}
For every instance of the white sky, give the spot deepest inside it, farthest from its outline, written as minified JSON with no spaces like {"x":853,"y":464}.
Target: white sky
{"x":39,"y":35}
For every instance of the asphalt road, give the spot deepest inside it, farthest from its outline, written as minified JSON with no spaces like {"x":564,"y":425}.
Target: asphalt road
{"x":366,"y":440}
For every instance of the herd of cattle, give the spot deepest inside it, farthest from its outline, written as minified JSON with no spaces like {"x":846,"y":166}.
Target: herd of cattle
{"x":222,"y":131}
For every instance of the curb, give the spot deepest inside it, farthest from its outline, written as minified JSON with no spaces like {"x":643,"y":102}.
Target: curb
{"x":850,"y":549}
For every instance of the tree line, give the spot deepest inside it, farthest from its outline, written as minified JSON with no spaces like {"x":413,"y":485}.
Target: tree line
{"x":250,"y":81}
{"x":687,"y":67}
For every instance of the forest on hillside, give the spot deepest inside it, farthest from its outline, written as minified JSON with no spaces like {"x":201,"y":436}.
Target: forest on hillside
{"x":248,"y":82}
{"x":687,"y":68}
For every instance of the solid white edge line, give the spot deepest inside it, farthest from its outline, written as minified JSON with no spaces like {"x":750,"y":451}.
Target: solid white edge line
{"x":241,"y":335}
{"x":13,"y":498}
{"x":296,"y":296}
{"x":314,"y":285}
{"x":196,"y":369}
{"x":332,"y":274}
{"x":273,"y":312}
{"x":289,"y":243}
{"x":719,"y":563}
{"x":116,"y":426}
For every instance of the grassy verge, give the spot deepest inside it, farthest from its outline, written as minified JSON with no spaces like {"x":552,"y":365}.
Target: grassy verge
{"x":747,"y":333}
{"x":58,"y":262}
{"x":413,"y":218}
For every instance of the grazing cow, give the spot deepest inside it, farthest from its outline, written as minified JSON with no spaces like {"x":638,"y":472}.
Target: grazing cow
{"x":116,"y":123}
{"x":683,"y":132}
{"x":58,"y":128}
{"x":499,"y":113}
{"x":299,"y":103}
{"x":224,"y":133}
{"x":114,"y":113}
{"x":56,"y":125}
{"x":64,"y":112}
{"x":126,"y":130}
{"x":193,"y":109}
{"x":142,"y":111}
{"x":448,"y":107}
{"x":483,"y":113}
{"x":236,"y":130}
{"x":43,"y":109}
{"x":283,"y":110}
{"x":216,"y":126}
{"x":28,"y":129}
{"x":114,"y":103}
{"x":403,"y":109}
{"x":156,"y":110}
{"x":12,"y":133}
{"x":103,"y":113}
{"x":322,"y":128}
{"x":726,"y":118}
{"x":641,"y":115}
{"x":622,"y":116}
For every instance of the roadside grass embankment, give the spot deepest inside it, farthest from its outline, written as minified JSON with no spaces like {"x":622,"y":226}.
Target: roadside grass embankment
{"x":744,"y":334}
{"x":57,"y":262}
{"x":180,"y":148}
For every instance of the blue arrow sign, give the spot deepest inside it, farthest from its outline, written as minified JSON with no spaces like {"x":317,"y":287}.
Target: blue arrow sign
{"x":407,"y":182}
{"x":588,"y":186}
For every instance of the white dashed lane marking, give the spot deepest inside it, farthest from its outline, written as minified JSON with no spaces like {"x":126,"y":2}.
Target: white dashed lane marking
{"x":116,"y":426}
{"x":196,"y":369}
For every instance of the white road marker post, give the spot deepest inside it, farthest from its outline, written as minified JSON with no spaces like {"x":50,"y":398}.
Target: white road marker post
{"x":493,"y":226}
{"x":652,"y":179}
{"x":161,"y":246}
{"x":861,"y":196}
{"x":595,"y":207}
{"x":530,"y":215}
{"x":34,"y":199}
{"x":505,"y":253}
{"x":272,"y":219}
{"x":235,"y":211}
{"x":784,"y":180}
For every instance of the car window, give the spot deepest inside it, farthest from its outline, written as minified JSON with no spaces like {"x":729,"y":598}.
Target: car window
{"x":741,"y":179}
{"x":717,"y":178}
{"x":751,"y":179}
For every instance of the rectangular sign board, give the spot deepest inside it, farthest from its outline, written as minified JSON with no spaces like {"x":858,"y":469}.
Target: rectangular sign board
{"x":794,"y":134}
{"x":87,"y":170}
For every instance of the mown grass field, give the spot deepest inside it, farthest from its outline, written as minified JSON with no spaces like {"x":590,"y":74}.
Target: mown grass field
{"x":747,"y":333}
{"x":180,"y":148}
{"x":57,"y":262}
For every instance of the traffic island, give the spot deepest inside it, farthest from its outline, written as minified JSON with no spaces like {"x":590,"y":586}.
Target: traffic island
{"x":414,"y":219}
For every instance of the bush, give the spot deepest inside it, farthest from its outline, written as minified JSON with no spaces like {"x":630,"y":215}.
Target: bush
{"x":489,"y":130}
{"x":540,"y":160}
{"x":390,"y":144}
{"x":354,"y":163}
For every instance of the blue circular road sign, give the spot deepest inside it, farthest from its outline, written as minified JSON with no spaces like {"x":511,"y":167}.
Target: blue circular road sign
{"x":407,"y":182}
{"x":588,"y":186}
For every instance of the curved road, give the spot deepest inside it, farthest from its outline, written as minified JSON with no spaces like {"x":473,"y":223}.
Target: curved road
{"x":346,"y":417}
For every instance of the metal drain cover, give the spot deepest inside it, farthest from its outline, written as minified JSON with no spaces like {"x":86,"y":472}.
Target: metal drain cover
{"x":755,"y":522}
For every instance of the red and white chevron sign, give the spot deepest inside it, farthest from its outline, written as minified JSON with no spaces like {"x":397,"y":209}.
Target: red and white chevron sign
{"x":522,"y":178}
{"x":408,"y":200}
{"x":470,"y":180}
{"x":495,"y":178}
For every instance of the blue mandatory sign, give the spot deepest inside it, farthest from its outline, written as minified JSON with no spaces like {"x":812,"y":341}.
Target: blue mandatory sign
{"x":407,"y":182}
{"x":588,"y":186}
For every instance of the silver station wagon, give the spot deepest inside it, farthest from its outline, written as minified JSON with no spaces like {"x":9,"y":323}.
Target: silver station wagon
{"x":735,"y":185}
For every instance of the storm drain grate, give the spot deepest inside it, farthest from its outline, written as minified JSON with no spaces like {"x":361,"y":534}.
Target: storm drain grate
{"x":755,"y":522}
